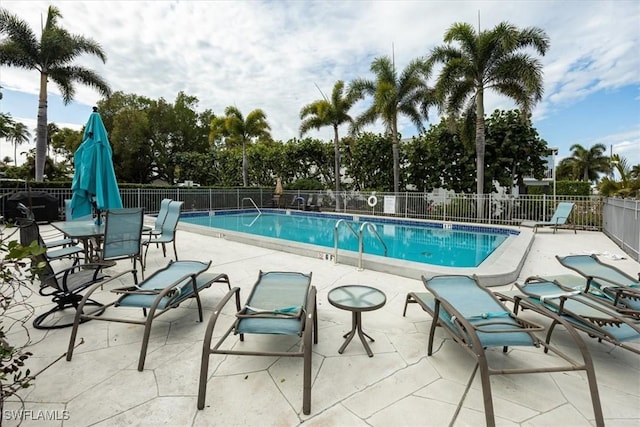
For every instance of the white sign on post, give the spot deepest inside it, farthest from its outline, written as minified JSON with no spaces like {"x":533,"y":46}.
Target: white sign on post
{"x":390,"y":204}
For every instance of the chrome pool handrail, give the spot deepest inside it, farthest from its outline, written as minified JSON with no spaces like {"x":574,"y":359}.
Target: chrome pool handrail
{"x":253,"y":203}
{"x":361,"y":240}
{"x":335,"y":237}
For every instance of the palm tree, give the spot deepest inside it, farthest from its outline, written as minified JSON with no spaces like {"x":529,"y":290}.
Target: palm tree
{"x":53,"y":57}
{"x":490,"y":59}
{"x":238,"y":130}
{"x":393,"y":95}
{"x":6,"y":123}
{"x":587,"y":164}
{"x":18,"y":134}
{"x":334,"y":112}
{"x":52,"y":129}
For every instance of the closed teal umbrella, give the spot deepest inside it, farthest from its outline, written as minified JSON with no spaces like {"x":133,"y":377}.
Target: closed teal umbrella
{"x":94,"y":181}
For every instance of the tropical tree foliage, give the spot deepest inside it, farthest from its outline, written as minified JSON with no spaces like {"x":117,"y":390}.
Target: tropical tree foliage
{"x":477,"y":61}
{"x":53,"y":56}
{"x":333,"y":112}
{"x":439,"y":158}
{"x":585,"y":164}
{"x":236,"y":130}
{"x":514,"y":149}
{"x":147,"y":135}
{"x":6,"y":123}
{"x":18,"y":135}
{"x":629,"y":184}
{"x":368,"y":158}
{"x":393,"y":95}
{"x":442,"y":157}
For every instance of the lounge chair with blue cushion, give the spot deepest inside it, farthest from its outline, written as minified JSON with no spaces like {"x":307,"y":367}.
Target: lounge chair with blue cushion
{"x":584,"y":311}
{"x":606,"y":281}
{"x":476,"y":320}
{"x":165,"y":289}
{"x":559,"y":218}
{"x":280,"y":303}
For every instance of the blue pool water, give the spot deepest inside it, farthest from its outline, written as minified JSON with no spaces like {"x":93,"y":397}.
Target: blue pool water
{"x":455,"y":246}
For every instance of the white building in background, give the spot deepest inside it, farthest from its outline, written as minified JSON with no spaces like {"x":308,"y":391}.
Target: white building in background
{"x":550,"y":172}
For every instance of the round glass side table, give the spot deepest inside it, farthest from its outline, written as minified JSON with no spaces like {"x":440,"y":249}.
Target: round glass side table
{"x":356,"y":299}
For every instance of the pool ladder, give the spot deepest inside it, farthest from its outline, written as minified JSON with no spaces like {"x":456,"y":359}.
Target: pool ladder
{"x":359,"y":235}
{"x":255,"y":206}
{"x":253,"y":203}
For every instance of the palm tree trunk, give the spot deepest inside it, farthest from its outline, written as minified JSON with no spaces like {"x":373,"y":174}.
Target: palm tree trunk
{"x":480,"y":148}
{"x":41,"y":139}
{"x":396,"y":157}
{"x":245,"y":166}
{"x":336,"y":147}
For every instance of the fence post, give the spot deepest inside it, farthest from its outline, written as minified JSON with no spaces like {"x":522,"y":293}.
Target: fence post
{"x":406,"y":204}
{"x":489,"y":210}
{"x":444,"y":207}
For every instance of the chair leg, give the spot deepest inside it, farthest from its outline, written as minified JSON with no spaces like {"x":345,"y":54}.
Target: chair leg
{"x":37,"y":322}
{"x":315,"y":325}
{"x":432,"y":330}
{"x":197,"y":297}
{"x":486,"y":391}
{"x":406,"y":303}
{"x":175,"y":251}
{"x":145,"y":340}
{"x":306,"y":387}
{"x":204,"y":371}
{"x":144,"y":258}
{"x":206,"y":351}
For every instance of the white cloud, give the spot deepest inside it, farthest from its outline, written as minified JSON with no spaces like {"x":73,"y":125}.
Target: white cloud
{"x":271,"y":55}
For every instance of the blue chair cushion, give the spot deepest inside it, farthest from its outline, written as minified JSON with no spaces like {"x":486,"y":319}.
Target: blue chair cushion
{"x":178,"y":272}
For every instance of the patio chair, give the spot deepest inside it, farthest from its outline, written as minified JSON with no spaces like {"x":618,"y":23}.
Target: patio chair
{"x":312,"y":204}
{"x":585,"y":312}
{"x":64,"y":286}
{"x":162,"y":216}
{"x":476,"y":320}
{"x":165,"y":289}
{"x":559,"y":218}
{"x":298,"y":202}
{"x":606,"y":281}
{"x":123,"y":236}
{"x":51,"y":240}
{"x":168,"y":231}
{"x":280,"y":303}
{"x":30,"y":232}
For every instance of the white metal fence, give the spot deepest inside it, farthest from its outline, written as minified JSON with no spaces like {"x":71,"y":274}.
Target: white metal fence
{"x":621,"y":222}
{"x":618,"y":218}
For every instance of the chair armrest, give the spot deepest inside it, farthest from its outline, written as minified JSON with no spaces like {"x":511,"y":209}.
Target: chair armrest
{"x":103,"y":284}
{"x":235,"y":291}
{"x":561,"y":217}
{"x":64,"y":273}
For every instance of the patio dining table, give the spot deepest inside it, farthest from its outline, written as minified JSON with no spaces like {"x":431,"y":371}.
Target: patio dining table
{"x":89,"y":233}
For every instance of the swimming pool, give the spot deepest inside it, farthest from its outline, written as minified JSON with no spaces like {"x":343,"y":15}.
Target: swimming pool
{"x":451,"y":245}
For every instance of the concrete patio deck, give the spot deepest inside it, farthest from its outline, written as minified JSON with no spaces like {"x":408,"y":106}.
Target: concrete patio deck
{"x":399,"y":386}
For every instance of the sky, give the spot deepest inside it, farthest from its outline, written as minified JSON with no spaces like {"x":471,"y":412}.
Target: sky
{"x":280,"y":55}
